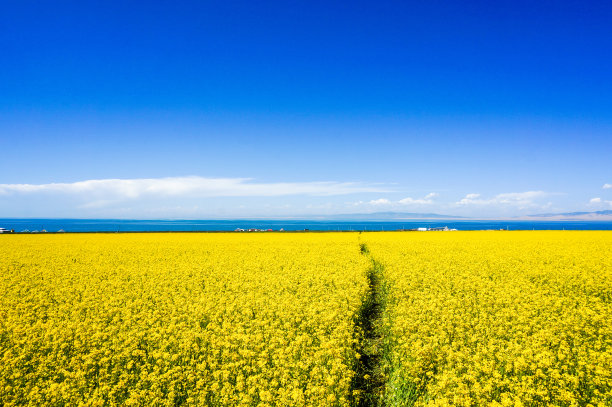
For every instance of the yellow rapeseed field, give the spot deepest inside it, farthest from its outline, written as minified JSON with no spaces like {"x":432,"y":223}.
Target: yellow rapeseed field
{"x":462,"y":318}
{"x":498,"y":318}
{"x":168,"y":319}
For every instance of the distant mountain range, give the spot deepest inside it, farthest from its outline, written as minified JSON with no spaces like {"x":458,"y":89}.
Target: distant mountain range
{"x":392,"y":216}
{"x":596,"y":215}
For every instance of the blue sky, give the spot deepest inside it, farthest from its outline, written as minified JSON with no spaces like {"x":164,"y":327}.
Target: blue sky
{"x":239,"y":109}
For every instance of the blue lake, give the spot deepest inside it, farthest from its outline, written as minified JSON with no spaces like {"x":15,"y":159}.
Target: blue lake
{"x":117,"y":225}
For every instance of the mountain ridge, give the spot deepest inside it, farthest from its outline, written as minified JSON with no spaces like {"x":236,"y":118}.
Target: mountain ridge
{"x":389,"y":215}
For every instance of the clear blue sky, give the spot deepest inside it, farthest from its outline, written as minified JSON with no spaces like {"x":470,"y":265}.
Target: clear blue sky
{"x":201,"y":109}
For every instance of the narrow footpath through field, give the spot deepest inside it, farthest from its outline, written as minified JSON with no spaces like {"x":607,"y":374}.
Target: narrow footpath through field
{"x":369,"y":382}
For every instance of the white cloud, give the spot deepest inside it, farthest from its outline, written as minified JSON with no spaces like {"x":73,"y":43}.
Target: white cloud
{"x":470,"y":199}
{"x":412,"y":201}
{"x":381,"y":201}
{"x":600,"y":203}
{"x":113,"y":189}
{"x":607,"y":186}
{"x":427,"y":200}
{"x":521,"y":200}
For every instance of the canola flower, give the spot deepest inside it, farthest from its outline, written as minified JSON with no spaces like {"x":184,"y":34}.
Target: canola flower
{"x":179,"y":319}
{"x":469,"y":318}
{"x":498,"y":318}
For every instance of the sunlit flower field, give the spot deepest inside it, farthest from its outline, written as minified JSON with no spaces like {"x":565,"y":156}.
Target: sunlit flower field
{"x":498,"y":318}
{"x":169,"y":319}
{"x":269,"y":319}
